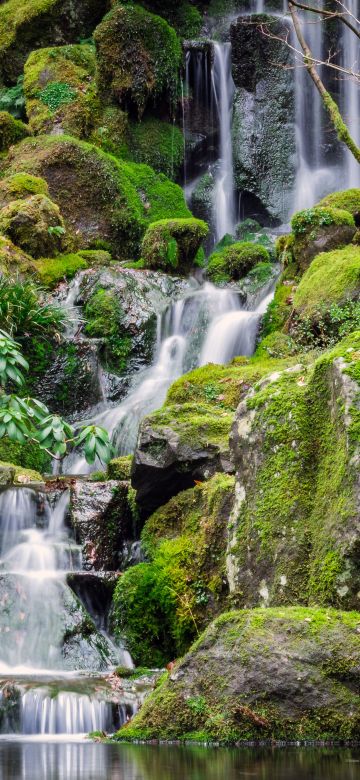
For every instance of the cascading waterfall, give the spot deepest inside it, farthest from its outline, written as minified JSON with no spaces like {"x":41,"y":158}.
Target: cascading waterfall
{"x":36,"y":553}
{"x":224,"y":192}
{"x":208,"y":325}
{"x":351,"y":93}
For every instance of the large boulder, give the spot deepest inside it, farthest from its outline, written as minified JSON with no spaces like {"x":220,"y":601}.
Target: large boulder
{"x":138,"y":58}
{"x":264,"y":110}
{"x":333,"y":278}
{"x":265,"y":674}
{"x":11,"y":130}
{"x":320,"y":229}
{"x":34,"y":224}
{"x":295,"y":524}
{"x":60,"y":90}
{"x":103,"y":200}
{"x":102,"y":520}
{"x":30,"y":24}
{"x":72,"y":383}
{"x":21,"y":186}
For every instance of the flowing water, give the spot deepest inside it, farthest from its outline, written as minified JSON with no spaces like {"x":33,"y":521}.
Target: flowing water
{"x":224,"y":191}
{"x":40,"y":618}
{"x":209,"y":325}
{"x":351,"y":92}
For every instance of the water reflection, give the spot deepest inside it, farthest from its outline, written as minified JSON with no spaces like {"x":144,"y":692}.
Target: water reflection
{"x":88,"y":761}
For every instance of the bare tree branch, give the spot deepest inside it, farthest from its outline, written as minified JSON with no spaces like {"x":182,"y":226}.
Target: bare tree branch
{"x":329,"y":103}
{"x":341,"y":15}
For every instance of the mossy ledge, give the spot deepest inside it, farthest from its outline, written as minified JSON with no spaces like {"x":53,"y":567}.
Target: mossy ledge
{"x":260,"y":675}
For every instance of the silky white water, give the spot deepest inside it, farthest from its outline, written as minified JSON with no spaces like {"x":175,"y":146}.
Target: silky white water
{"x":37,"y":609}
{"x":224,"y":192}
{"x":351,"y":92}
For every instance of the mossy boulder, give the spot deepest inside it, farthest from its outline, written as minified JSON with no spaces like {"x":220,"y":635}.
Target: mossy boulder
{"x":21,"y":186}
{"x":332,"y":278}
{"x":183,"y":16}
{"x":101,"y":198}
{"x":17,"y":475}
{"x":347,"y":200}
{"x":119,"y":468}
{"x":158,"y":144}
{"x":53,"y":270}
{"x":287,"y":674}
{"x":34,"y":224}
{"x":235,"y":261}
{"x":138,"y":57}
{"x":11,"y":130}
{"x":13,"y":260}
{"x":172,"y":244}
{"x":295,"y":443}
{"x":320,"y":229}
{"x":160,"y":605}
{"x":31,"y":24}
{"x":60,"y":90}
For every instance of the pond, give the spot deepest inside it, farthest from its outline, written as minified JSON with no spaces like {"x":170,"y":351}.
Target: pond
{"x":55,"y":760}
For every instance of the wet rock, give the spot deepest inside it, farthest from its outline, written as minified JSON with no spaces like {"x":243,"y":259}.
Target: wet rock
{"x":283,"y":674}
{"x":73,"y":382}
{"x":102,"y":520}
{"x":264,"y":109}
{"x":176,"y":446}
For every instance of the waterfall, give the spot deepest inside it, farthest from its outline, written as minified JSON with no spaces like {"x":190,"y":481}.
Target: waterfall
{"x":208,"y":325}
{"x":224,"y":193}
{"x":351,"y":93}
{"x":38,"y":611}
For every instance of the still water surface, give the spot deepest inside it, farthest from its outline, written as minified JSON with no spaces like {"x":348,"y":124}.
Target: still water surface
{"x":35,"y":760}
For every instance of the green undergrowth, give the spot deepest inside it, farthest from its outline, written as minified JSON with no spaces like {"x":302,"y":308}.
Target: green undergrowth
{"x":161,"y":605}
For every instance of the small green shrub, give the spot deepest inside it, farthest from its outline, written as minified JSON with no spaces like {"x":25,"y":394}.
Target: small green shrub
{"x":13,"y":100}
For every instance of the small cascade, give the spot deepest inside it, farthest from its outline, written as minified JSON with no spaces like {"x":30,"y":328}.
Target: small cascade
{"x":351,"y":92}
{"x":224,"y":193}
{"x":41,"y":627}
{"x":208,"y":325}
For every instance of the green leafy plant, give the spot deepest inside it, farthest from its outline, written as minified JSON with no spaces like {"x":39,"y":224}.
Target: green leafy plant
{"x":56,"y":230}
{"x":28,"y":420}
{"x":24,"y":313}
{"x":13,"y":99}
{"x":56,"y":94}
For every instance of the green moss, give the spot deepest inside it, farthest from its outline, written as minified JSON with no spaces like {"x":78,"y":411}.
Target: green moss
{"x":336,"y":227}
{"x":22,"y":475}
{"x":158,"y":144}
{"x":333,"y":277}
{"x":34,"y":224}
{"x":279,"y":309}
{"x":25,"y":456}
{"x":160,"y":606}
{"x":11,"y":130}
{"x":205,"y":698}
{"x":100,"y":197}
{"x":104,"y":317}
{"x":303,"y":221}
{"x":347,"y":200}
{"x":13,"y":260}
{"x":184,"y":17}
{"x":173,"y":244}
{"x":51,"y":271}
{"x":138,"y":57}
{"x":277,"y":345}
{"x":235,"y":261}
{"x":119,"y":468}
{"x":60,"y":89}
{"x":20,"y":186}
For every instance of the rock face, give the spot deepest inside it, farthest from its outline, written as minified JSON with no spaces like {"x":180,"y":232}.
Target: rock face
{"x":286,"y":674}
{"x":175,"y":447}
{"x":102,"y":521}
{"x":264,"y":114}
{"x":294,"y":530}
{"x":73,"y":382}
{"x":31,"y":24}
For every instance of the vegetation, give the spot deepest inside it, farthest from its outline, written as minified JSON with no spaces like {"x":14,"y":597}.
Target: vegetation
{"x":104,"y":317}
{"x":172,"y":244}
{"x":11,"y":130}
{"x":235,"y":261}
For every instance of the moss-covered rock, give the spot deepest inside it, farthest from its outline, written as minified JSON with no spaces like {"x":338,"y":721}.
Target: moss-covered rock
{"x":21,"y":186}
{"x":30,"y":24}
{"x":160,"y":606}
{"x":182,"y":15}
{"x":100,"y":197}
{"x":235,"y":261}
{"x":332,"y":277}
{"x":347,"y":200}
{"x":295,"y":443}
{"x":60,"y":90}
{"x":34,"y":224}
{"x":25,"y":456}
{"x":320,"y":229}
{"x":275,"y":674}
{"x":53,"y":270}
{"x":119,"y":468}
{"x":11,"y":130}
{"x":17,"y":475}
{"x":172,"y":244}
{"x":138,"y":57}
{"x":158,"y":144}
{"x":13,"y":260}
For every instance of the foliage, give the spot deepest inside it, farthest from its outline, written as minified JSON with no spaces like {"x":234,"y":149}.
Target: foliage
{"x":11,"y":130}
{"x":235,"y":261}
{"x":24,"y":313}
{"x":104,"y":317}
{"x":306,"y":220}
{"x":348,"y":200}
{"x":13,"y":99}
{"x":28,"y":420}
{"x":172,"y":244}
